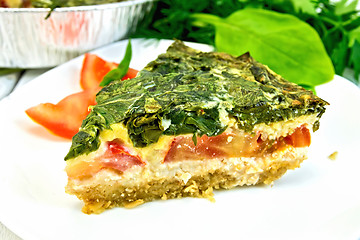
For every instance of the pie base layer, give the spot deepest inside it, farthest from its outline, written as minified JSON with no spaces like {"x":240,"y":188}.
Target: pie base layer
{"x":192,"y":178}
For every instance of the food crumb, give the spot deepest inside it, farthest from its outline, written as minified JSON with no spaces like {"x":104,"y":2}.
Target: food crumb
{"x":134,"y":203}
{"x":209,"y":194}
{"x":333,"y":156}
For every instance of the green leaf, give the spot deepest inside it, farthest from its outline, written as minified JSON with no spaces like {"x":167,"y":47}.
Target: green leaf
{"x":344,"y":6}
{"x":339,"y":56}
{"x":311,"y":88}
{"x":119,"y":72}
{"x":304,"y":6}
{"x":354,"y":35}
{"x":355,"y":59}
{"x":289,"y":46}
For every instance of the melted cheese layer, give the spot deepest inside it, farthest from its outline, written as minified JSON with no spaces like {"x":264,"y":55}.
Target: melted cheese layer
{"x":155,"y":154}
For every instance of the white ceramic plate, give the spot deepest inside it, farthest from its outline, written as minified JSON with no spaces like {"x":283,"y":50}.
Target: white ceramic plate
{"x":320,"y":200}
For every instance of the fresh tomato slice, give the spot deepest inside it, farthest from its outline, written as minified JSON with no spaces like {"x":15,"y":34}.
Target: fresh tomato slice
{"x":64,"y":118}
{"x":95,"y":68}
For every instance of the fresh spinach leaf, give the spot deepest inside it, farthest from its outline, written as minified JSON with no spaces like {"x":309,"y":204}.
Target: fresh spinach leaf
{"x":354,"y":35}
{"x":304,"y":6}
{"x":355,"y":58}
{"x":344,"y":6}
{"x":339,"y":56}
{"x":119,"y":72}
{"x":286,"y":44}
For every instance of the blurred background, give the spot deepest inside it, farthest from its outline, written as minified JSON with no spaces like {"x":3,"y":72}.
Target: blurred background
{"x":40,"y":34}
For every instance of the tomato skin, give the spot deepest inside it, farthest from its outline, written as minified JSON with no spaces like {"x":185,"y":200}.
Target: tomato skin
{"x":60,"y":118}
{"x":116,"y":157}
{"x":300,"y":138}
{"x":93,"y":70}
{"x":183,"y":148}
{"x":232,"y":145}
{"x":130,"y":74}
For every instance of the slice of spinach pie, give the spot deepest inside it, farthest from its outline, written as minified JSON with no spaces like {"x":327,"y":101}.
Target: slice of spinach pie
{"x":190,"y":122}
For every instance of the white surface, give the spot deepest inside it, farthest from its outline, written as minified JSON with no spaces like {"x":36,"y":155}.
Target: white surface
{"x":7,"y":83}
{"x":29,"y":75}
{"x":6,"y":234}
{"x":321,"y":200}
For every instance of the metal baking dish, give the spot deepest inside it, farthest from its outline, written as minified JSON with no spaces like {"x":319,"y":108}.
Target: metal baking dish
{"x":28,"y":40}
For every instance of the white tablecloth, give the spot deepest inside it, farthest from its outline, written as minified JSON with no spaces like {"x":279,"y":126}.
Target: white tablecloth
{"x":14,"y":81}
{"x":8,"y":84}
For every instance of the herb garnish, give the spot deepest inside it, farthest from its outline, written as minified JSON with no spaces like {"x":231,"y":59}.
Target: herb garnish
{"x":119,"y":72}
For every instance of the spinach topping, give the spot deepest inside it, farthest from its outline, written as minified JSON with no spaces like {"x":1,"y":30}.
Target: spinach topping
{"x":184,"y":91}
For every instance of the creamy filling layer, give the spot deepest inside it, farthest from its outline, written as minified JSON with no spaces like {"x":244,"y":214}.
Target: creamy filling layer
{"x":117,"y":153}
{"x":246,"y":170}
